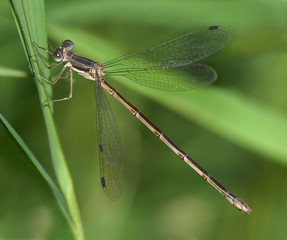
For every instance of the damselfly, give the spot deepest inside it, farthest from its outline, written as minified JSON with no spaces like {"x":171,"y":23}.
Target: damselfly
{"x":167,"y":66}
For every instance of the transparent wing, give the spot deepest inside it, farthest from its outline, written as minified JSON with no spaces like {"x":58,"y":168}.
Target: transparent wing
{"x":111,"y":157}
{"x":171,"y":57}
{"x":180,"y":78}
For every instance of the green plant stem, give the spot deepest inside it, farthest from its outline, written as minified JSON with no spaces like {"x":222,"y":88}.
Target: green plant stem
{"x":30,"y":19}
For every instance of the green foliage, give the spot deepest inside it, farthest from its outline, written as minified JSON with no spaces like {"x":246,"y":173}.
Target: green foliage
{"x":30,"y":20}
{"x":236,"y":128}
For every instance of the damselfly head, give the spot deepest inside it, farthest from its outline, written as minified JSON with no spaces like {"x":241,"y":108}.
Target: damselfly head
{"x":68,"y":44}
{"x":62,"y":51}
{"x":58,"y":55}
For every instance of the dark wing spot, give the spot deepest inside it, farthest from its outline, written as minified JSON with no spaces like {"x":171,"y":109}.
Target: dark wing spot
{"x":101,"y":148}
{"x":213,"y":27}
{"x":103,"y":182}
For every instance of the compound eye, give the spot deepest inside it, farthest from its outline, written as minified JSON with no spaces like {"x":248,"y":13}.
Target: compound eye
{"x":68,"y":44}
{"x":58,"y":56}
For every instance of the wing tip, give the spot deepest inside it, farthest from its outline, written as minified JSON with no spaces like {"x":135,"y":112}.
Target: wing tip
{"x":213,"y":27}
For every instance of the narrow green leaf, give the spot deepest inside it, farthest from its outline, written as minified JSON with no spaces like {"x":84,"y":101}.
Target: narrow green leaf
{"x":9,"y":72}
{"x":30,"y":19}
{"x":233,"y":116}
{"x":38,"y":166}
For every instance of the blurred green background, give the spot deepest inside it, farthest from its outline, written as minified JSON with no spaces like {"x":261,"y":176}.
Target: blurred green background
{"x":236,"y":128}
